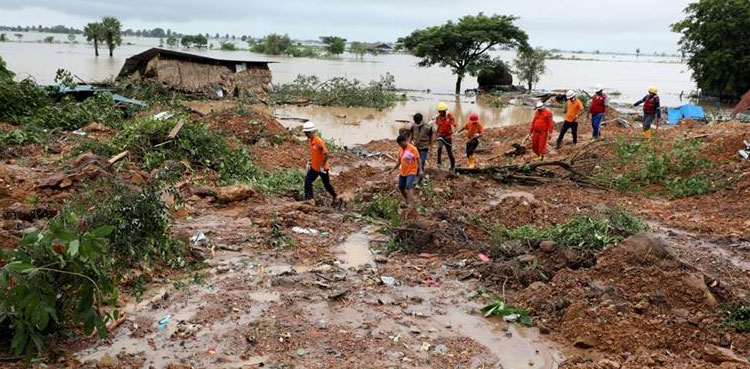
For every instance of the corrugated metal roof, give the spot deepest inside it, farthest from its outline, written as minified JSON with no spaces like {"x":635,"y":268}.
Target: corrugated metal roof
{"x":131,"y":63}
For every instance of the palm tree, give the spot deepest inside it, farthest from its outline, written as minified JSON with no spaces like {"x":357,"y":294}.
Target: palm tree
{"x":94,"y":32}
{"x":112,"y":33}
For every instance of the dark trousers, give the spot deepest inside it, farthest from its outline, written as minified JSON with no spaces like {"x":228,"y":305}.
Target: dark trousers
{"x":471,"y":146}
{"x":573,"y":126}
{"x":448,"y":143}
{"x":311,"y":176}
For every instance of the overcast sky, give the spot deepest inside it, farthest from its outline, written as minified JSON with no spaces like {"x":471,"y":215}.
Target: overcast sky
{"x":571,"y":25}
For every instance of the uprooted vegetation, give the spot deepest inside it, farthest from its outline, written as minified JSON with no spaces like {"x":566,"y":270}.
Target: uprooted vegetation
{"x":338,"y":91}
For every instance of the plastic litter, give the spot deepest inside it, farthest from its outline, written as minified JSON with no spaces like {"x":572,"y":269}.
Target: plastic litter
{"x":79,"y":132}
{"x":307,"y":231}
{"x":425,"y":347}
{"x":510,"y":318}
{"x":390,"y":281}
{"x":163,"y":115}
{"x":199,"y":239}
{"x":745,"y":153}
{"x":483,"y":257}
{"x":164,"y":321}
{"x":441,"y":349}
{"x":301,"y":352}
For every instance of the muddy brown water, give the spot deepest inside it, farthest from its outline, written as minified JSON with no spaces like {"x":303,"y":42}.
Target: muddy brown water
{"x":253,"y":289}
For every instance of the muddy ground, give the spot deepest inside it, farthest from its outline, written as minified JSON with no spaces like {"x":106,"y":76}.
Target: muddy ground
{"x":335,"y":299}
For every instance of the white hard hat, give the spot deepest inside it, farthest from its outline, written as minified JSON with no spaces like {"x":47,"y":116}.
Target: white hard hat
{"x":599,"y":87}
{"x":309,"y":126}
{"x":539,"y":105}
{"x":570,"y":94}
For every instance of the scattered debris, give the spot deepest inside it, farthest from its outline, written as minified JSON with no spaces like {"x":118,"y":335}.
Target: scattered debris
{"x":307,"y":231}
{"x":389,"y":281}
{"x":199,"y":239}
{"x":163,"y":115}
{"x":164,"y":321}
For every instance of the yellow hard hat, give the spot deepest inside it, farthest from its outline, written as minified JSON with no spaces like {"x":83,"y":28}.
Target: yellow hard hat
{"x":653,"y":90}
{"x":442,"y":107}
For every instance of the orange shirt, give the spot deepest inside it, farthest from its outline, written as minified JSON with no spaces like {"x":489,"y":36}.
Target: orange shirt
{"x":574,"y":107}
{"x":543,"y":122}
{"x":472,"y":128}
{"x":409,"y":158}
{"x":318,"y":150}
{"x":445,"y":125}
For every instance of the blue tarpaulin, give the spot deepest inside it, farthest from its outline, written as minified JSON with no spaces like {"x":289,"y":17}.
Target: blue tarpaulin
{"x":685,"y":111}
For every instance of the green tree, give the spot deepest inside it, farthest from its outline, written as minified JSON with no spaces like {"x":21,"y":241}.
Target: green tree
{"x":200,"y":41}
{"x":49,"y":39}
{"x":112,"y":29}
{"x":5,"y":74}
{"x":171,"y":41}
{"x":358,"y":48}
{"x":94,"y":31}
{"x":228,"y":46}
{"x":715,"y":37}
{"x":3,"y":38}
{"x":529,"y":65}
{"x":463,"y":46}
{"x":334,"y":45}
{"x":186,"y":41}
{"x":71,"y":37}
{"x":275,"y":44}
{"x":637,"y":52}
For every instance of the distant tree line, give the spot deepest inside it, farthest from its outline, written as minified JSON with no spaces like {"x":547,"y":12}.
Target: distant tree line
{"x":40,"y":28}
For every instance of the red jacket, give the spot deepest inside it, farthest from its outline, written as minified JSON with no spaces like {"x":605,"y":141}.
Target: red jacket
{"x":598,"y":104}
{"x":543,"y":122}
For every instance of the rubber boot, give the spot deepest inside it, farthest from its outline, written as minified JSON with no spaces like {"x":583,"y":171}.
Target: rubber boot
{"x":472,"y":162}
{"x":647,"y":133}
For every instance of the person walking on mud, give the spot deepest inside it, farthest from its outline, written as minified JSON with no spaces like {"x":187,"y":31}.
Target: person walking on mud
{"x":408,"y":157}
{"x":597,"y":109}
{"x":473,"y":131}
{"x":317,"y":166}
{"x":445,"y":123}
{"x":541,"y":129}
{"x":422,"y":136}
{"x":573,"y":111}
{"x":651,"y":110}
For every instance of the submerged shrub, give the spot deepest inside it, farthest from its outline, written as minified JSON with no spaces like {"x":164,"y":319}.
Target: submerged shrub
{"x":338,"y":91}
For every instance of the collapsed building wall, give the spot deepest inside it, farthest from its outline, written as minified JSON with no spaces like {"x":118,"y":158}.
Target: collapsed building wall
{"x":213,"y":78}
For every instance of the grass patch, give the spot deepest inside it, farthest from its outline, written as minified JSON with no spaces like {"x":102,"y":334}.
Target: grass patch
{"x":383,"y":207}
{"x":681,"y":171}
{"x":596,"y":231}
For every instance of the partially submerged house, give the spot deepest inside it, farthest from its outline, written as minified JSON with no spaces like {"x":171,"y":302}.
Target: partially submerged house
{"x":200,"y":74}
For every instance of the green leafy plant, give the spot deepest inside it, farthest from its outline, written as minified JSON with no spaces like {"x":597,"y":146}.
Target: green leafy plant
{"x":383,"y":207}
{"x":508,"y":312}
{"x":338,"y":91}
{"x":738,"y":317}
{"x":55,"y":281}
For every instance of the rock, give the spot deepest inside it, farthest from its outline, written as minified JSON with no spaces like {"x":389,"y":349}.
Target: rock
{"x":643,"y":246}
{"x":204,"y":191}
{"x":441,"y":349}
{"x":224,"y":359}
{"x":106,"y":361}
{"x":527,"y":259}
{"x":718,"y":355}
{"x":696,"y":282}
{"x":235,"y":193}
{"x":640,"y":307}
{"x":380,"y":259}
{"x":725,"y":340}
{"x":586,"y":342}
{"x":548,"y":246}
{"x":543,"y":329}
{"x":608,"y":364}
{"x":96,"y":127}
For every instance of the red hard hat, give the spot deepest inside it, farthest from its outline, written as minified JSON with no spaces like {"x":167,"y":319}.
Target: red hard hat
{"x":474,"y":117}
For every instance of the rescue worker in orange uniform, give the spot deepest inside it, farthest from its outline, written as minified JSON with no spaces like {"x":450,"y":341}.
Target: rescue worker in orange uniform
{"x":318,"y":164}
{"x":408,"y":162}
{"x":541,"y":129}
{"x":473,"y":131}
{"x":445,"y":123}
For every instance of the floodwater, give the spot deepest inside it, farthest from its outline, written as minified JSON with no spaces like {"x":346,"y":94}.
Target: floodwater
{"x":625,"y":77}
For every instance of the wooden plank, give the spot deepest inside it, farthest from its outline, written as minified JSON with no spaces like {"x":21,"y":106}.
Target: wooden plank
{"x":176,"y":129}
{"x":118,"y":157}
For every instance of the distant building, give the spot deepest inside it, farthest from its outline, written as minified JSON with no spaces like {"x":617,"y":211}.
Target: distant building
{"x":199,"y":74}
{"x":378,"y":48}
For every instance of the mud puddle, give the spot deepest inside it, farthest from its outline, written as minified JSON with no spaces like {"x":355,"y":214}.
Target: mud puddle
{"x":355,"y":251}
